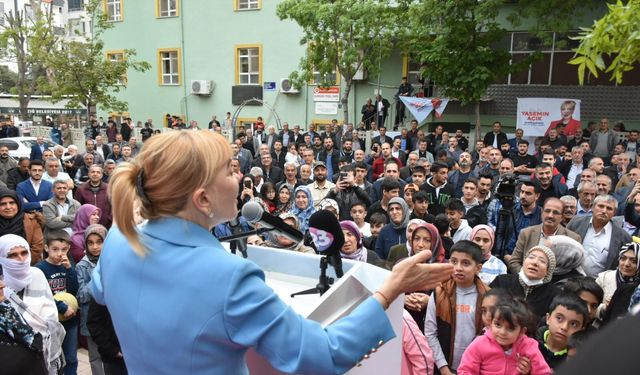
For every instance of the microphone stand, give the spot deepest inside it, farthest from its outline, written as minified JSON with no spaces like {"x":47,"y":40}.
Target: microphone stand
{"x":324,"y":282}
{"x":238,"y":240}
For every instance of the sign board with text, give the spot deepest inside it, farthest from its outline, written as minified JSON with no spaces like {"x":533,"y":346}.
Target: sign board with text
{"x":326,"y":94}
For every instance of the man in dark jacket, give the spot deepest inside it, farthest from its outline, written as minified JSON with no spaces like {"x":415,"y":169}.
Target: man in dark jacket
{"x":330,"y":156}
{"x":496,"y":137}
{"x":94,"y":192}
{"x":18,"y":174}
{"x":346,"y":194}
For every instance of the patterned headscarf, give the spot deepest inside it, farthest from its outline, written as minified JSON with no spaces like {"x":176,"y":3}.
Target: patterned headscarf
{"x":303,"y":215}
{"x":361,"y":253}
{"x":635,"y":249}
{"x":437,"y":249}
{"x":405,"y":212}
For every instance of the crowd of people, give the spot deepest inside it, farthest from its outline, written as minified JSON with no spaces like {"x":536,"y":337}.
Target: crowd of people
{"x":537,"y":268}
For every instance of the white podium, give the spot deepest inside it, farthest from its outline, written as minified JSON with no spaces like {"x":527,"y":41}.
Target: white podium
{"x":288,"y":272}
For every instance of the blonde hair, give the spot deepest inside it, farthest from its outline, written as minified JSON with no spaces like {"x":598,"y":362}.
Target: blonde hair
{"x":162,"y":177}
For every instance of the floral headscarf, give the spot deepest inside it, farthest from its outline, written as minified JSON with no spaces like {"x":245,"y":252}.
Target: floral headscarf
{"x":303,"y":215}
{"x":635,"y":249}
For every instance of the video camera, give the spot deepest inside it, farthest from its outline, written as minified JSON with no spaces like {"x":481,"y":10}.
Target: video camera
{"x":506,"y":190}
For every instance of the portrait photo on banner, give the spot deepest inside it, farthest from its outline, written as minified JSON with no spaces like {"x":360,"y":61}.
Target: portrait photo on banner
{"x":537,"y":116}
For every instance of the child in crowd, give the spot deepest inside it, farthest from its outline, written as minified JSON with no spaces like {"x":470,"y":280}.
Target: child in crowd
{"x":454,"y":316}
{"x":377,"y":221}
{"x":420,"y":207}
{"x":94,"y":237}
{"x":484,"y":237}
{"x":441,"y":222}
{"x":358,"y":213}
{"x":62,"y":278}
{"x":458,"y":227}
{"x":590,"y":292}
{"x":505,"y":347}
{"x":567,"y":315}
{"x":417,"y":358}
{"x":489,"y":300}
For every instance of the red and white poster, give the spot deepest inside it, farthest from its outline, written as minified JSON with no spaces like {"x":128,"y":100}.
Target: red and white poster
{"x":326,"y":94}
{"x":536,"y":116}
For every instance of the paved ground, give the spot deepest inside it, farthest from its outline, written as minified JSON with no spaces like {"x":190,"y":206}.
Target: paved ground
{"x":83,"y":362}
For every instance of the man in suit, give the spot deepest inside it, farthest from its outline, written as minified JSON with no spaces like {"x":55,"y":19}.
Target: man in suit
{"x":496,"y":137}
{"x":602,"y":239}
{"x":271,"y":137}
{"x":38,"y":149}
{"x":35,"y":191}
{"x":383,"y":137}
{"x":296,"y":136}
{"x":530,"y":237}
{"x":286,"y":135}
{"x":270,"y":172}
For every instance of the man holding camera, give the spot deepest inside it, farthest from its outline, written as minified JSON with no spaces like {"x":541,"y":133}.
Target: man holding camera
{"x":524,"y":214}
{"x":347,"y":194}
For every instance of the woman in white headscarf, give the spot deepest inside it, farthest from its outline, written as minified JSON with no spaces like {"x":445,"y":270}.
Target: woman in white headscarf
{"x":29,"y":293}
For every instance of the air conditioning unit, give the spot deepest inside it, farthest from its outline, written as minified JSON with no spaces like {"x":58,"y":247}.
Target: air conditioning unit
{"x":201,"y":87}
{"x":286,"y":87}
{"x":360,"y":74}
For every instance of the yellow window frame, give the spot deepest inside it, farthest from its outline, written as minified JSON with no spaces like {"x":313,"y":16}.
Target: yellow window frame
{"x":236,"y":6}
{"x":236,"y":57}
{"x":104,"y":9}
{"x":158,"y":10}
{"x":179,"y":58}
{"x":110,"y":53}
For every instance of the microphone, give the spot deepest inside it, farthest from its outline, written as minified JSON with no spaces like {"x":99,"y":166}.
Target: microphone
{"x":255,"y":214}
{"x":328,"y":238}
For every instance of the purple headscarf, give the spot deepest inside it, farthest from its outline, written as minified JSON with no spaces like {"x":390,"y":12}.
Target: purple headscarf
{"x":80,"y":224}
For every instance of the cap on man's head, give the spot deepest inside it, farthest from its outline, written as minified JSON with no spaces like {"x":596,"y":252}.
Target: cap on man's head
{"x":319,"y":164}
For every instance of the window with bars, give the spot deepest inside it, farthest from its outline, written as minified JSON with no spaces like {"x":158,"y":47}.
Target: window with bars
{"x":167,"y":8}
{"x":113,"y":10}
{"x":248,"y":72}
{"x":169,"y":67}
{"x":247,"y":4}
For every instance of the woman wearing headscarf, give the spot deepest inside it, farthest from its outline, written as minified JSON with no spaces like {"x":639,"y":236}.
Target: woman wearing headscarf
{"x":533,"y":282}
{"x":569,"y":257}
{"x":87,"y":214}
{"x":423,"y":237}
{"x":395,"y":231}
{"x":353,"y":248}
{"x":30,"y":296}
{"x":626,"y":273}
{"x":284,"y":200}
{"x":303,"y":206}
{"x":94,"y":237}
{"x":281,"y":242}
{"x":484,"y":236}
{"x":24,"y":224}
{"x":401,"y":250}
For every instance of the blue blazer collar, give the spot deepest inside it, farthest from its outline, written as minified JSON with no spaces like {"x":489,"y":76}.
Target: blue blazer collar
{"x":179,"y":231}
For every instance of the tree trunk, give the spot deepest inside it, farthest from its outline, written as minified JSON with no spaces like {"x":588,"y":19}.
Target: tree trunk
{"x":345,"y":101}
{"x":478,"y":125}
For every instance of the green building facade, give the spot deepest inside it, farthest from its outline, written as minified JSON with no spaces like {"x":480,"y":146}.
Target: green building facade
{"x":243,"y":49}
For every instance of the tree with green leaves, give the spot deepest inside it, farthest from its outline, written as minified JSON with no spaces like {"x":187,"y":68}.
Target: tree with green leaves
{"x":342,"y":37}
{"x":27,"y":39}
{"x":82,"y":73}
{"x":453,"y":41}
{"x":614,"y":37}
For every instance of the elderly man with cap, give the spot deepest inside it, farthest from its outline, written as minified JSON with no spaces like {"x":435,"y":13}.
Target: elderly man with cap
{"x":395,"y":231}
{"x":320,"y":187}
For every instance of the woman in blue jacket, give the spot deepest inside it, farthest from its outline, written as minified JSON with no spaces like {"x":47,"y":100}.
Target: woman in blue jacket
{"x":181,"y":304}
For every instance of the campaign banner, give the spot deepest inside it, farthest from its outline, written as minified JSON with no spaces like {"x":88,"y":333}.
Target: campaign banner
{"x":536,"y":116}
{"x":421,"y":108}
